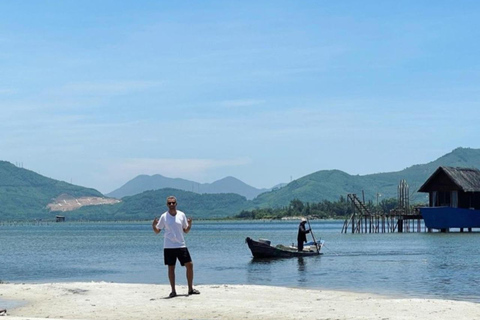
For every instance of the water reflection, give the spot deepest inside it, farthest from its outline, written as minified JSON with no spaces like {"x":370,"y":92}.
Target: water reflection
{"x":301,"y":264}
{"x":302,"y":274}
{"x":259,"y":270}
{"x":281,"y":271}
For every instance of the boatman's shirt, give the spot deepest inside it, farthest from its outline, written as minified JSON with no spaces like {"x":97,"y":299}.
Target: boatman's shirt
{"x":173,"y":226}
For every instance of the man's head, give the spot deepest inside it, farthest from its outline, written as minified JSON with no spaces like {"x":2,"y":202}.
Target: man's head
{"x":303,"y":220}
{"x":171,"y":202}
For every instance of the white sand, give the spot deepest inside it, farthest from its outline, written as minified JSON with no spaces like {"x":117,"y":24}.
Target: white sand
{"x":100,"y":300}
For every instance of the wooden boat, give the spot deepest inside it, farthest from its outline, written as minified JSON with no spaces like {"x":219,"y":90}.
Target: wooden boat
{"x":263,"y":249}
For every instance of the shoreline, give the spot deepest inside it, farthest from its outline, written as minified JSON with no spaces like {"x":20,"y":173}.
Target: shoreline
{"x":105,"y":300}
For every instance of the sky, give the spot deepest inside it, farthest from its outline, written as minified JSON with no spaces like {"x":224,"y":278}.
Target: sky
{"x":95,"y":93}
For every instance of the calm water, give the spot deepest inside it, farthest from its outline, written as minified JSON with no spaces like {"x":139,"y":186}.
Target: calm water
{"x":415,"y":264}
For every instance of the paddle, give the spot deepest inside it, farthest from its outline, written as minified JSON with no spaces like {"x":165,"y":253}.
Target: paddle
{"x":314,"y":241}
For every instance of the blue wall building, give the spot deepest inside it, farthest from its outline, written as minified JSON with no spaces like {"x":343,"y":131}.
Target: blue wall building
{"x":454,"y":199}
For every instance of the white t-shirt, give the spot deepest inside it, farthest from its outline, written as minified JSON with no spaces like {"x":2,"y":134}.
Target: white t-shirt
{"x":173,"y":226}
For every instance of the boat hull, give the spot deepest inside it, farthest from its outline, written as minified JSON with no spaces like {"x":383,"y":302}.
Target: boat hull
{"x":264,"y":250}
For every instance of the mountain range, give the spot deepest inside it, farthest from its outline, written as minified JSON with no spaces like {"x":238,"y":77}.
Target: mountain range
{"x":331,"y":184}
{"x":25,"y":194}
{"x":143,"y":183}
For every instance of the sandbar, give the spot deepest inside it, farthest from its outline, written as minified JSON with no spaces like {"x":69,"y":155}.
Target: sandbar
{"x":105,"y":300}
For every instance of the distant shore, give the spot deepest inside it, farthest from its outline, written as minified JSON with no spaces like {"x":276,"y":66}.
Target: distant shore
{"x":226,"y":219}
{"x":102,"y":300}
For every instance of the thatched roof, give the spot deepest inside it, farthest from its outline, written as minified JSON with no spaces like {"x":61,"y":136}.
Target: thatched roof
{"x":466,"y":179}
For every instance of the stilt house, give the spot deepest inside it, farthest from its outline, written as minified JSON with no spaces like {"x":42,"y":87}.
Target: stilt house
{"x":454,"y":199}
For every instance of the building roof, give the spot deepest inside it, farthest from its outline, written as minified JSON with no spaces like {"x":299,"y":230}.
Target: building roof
{"x":467,"y":179}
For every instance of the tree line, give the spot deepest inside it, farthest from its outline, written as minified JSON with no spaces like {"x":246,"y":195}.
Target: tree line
{"x":320,"y":210}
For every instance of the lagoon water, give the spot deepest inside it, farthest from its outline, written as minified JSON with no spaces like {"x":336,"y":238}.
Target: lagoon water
{"x":423,"y":265}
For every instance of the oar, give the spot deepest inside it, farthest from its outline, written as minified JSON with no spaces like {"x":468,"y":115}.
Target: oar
{"x":314,"y":241}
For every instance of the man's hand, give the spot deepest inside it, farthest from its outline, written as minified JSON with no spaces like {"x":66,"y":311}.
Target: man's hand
{"x":154,"y":226}
{"x":189,"y":222}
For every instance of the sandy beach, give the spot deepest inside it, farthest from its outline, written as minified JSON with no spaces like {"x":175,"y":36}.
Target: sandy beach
{"x":101,"y":300}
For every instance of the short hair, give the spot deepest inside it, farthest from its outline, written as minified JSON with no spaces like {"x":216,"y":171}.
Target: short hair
{"x":171,"y":197}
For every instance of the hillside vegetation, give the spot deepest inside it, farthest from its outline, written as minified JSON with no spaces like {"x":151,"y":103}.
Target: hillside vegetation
{"x":25,"y":194}
{"x":330,"y":184}
{"x":150,"y":204}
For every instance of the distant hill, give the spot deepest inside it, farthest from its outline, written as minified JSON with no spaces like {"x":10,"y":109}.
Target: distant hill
{"x":143,"y":183}
{"x":25,"y":194}
{"x":150,"y":204}
{"x":331,"y":184}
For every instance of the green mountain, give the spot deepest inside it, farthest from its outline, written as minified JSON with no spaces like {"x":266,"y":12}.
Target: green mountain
{"x":25,"y":194}
{"x":149,"y":204}
{"x":143,"y":183}
{"x":331,"y":184}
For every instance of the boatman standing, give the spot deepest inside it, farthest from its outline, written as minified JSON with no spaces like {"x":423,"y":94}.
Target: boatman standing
{"x":175,"y":224}
{"x":302,"y":234}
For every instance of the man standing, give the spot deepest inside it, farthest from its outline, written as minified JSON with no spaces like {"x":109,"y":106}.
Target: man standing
{"x":175,"y":223}
{"x":302,"y":234}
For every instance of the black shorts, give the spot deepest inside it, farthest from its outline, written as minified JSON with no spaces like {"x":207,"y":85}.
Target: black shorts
{"x":170,"y":256}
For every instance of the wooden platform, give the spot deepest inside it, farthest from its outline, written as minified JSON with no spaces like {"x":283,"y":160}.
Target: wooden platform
{"x":364,"y":221}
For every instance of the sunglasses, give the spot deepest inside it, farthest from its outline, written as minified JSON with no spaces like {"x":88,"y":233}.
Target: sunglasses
{"x":169,"y":203}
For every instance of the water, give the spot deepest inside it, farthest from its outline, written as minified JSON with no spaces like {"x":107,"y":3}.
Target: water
{"x":422,"y":265}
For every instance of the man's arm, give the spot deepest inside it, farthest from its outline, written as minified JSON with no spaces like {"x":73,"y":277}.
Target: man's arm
{"x":154,"y":226}
{"x":303,"y":229}
{"x":187,"y":229}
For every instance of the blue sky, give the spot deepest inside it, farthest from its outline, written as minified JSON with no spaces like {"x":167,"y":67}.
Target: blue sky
{"x":98,"y":92}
